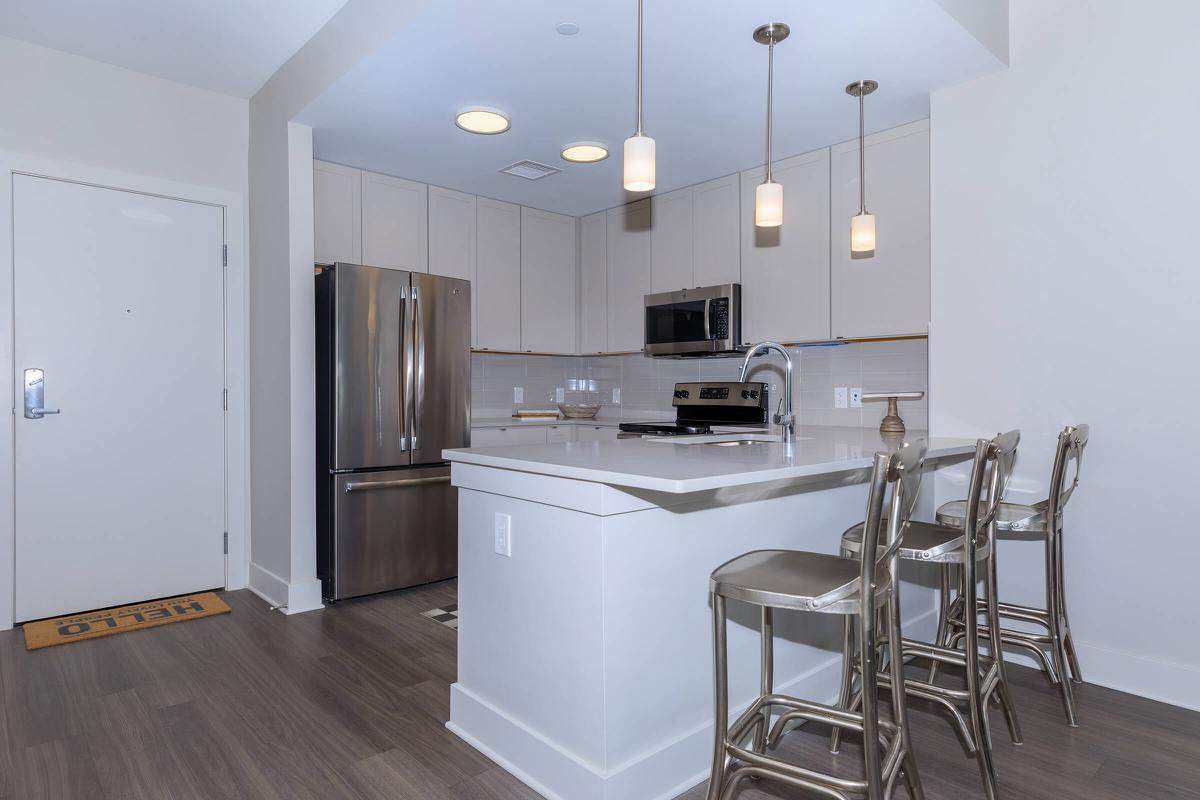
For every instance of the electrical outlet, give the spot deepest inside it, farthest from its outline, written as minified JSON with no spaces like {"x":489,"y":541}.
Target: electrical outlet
{"x":616,"y":397}
{"x":560,"y":395}
{"x":504,"y":535}
{"x":839,"y":397}
{"x":856,"y":397}
{"x":518,"y":394}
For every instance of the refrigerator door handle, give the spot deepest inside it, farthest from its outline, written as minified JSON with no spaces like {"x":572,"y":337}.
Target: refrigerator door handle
{"x":360,"y":486}
{"x":419,"y":345}
{"x":407,"y":440}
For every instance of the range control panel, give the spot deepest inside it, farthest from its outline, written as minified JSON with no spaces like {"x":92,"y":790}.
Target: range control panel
{"x":721,"y":402}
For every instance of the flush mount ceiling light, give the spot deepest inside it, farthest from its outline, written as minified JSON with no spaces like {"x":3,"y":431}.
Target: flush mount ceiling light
{"x":584,"y":152}
{"x":768,"y":197}
{"x":862,"y":224}
{"x":486,"y":121}
{"x":639,"y":148}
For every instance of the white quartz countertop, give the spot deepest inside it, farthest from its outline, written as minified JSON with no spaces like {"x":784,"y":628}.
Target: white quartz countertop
{"x":541,"y":422}
{"x":684,"y":464}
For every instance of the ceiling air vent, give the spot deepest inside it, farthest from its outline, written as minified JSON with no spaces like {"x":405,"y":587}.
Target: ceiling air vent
{"x":530,"y":170}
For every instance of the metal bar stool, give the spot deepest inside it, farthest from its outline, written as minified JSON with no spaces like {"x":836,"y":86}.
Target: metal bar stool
{"x":1045,"y":520}
{"x":855,"y":587}
{"x":971,"y":546}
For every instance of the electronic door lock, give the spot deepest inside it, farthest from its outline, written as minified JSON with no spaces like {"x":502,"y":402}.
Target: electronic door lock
{"x":35,"y":394}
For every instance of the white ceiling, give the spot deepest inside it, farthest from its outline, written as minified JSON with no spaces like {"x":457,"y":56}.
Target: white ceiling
{"x":705,"y":88}
{"x":229,"y":46}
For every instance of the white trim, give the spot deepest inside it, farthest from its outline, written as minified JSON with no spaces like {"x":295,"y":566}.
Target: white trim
{"x":1164,"y":681}
{"x":236,"y":472}
{"x":290,"y":598}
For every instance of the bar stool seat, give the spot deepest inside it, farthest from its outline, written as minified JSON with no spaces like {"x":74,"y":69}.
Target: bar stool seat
{"x":1009,"y":517}
{"x":797,"y":580}
{"x":925,"y":541}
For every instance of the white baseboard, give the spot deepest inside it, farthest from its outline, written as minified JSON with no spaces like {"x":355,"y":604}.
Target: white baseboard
{"x":661,"y":773}
{"x":1164,"y":681}
{"x":291,"y":598}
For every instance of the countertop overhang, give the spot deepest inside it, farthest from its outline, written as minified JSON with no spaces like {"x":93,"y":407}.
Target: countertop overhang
{"x":680,"y":468}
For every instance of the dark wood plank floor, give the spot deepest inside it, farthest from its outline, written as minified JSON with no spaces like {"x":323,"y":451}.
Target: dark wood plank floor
{"x":351,"y":703}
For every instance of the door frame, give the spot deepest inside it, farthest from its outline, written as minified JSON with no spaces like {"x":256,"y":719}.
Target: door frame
{"x":237,"y":475}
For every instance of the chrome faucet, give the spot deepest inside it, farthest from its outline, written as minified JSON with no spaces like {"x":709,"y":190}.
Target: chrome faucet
{"x":788,"y":418}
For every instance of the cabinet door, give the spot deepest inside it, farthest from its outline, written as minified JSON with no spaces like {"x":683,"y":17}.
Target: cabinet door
{"x":502,"y":437}
{"x":887,"y":294}
{"x":337,"y":213}
{"x":595,"y":433}
{"x":560,"y":433}
{"x":593,"y":283}
{"x":785,"y":270}
{"x":671,"y":241}
{"x":395,"y":223}
{"x":452,"y":241}
{"x":498,"y":276}
{"x":716,"y":232}
{"x":548,"y":268}
{"x":628,"y":276}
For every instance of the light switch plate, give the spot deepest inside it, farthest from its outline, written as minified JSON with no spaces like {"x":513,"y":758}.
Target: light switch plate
{"x":518,"y":394}
{"x":839,"y":397}
{"x":503,"y":534}
{"x":856,"y":397}
{"x":616,"y":396}
{"x":560,"y":395}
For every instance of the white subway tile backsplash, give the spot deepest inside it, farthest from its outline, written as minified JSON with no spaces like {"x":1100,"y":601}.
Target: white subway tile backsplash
{"x":645,"y":384}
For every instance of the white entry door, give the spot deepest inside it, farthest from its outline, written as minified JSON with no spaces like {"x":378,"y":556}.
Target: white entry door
{"x":118,"y":301}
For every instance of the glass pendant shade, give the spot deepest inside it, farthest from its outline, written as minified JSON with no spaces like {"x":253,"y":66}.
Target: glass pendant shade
{"x":639,"y":163}
{"x":862,"y":235}
{"x":768,"y":205}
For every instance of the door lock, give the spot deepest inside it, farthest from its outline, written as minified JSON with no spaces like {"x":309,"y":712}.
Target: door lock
{"x":35,"y":394}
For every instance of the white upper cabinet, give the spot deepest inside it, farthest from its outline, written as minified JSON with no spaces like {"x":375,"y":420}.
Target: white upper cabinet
{"x":785,"y":270}
{"x":337,"y":213}
{"x":887,"y":294}
{"x":395,"y":223}
{"x":628,"y":275}
{"x":497,"y":288}
{"x":671,"y":266}
{"x":452,"y":241}
{"x":548,"y":268}
{"x":593,"y":283}
{"x":716,"y":232}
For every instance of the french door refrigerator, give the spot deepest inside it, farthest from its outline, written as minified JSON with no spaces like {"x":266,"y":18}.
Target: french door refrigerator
{"x":393,"y":390}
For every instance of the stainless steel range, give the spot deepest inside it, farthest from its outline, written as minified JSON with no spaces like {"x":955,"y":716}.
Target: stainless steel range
{"x":700,"y":407}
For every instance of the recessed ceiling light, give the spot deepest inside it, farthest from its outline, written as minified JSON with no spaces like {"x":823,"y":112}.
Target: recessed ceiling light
{"x":482,"y":120}
{"x":584,"y":152}
{"x":567,"y":28}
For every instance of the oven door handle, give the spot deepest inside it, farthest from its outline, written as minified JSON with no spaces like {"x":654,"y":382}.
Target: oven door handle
{"x":707,"y":317}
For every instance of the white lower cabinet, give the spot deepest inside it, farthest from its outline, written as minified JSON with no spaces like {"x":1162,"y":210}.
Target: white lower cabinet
{"x":595,"y":433}
{"x":560,"y":433}
{"x":501,"y":437}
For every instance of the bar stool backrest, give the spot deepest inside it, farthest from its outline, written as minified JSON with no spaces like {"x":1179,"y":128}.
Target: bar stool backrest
{"x":902,"y":470}
{"x":1071,"y":443}
{"x":992,"y":467}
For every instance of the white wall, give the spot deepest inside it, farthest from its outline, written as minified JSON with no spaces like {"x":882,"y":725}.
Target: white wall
{"x":1065,"y":284}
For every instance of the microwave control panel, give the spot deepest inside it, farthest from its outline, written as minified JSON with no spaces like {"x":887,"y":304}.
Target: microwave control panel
{"x":719,"y":320}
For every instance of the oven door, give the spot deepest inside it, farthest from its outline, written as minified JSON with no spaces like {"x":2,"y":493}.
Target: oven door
{"x":694,"y":321}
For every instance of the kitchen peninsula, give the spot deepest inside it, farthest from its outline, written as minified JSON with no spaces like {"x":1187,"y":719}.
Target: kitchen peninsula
{"x":584,"y":661}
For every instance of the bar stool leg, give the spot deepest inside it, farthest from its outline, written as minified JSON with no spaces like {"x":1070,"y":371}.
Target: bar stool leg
{"x":720,"y":699}
{"x":868,"y":647}
{"x":1058,"y":650}
{"x":1060,"y":580}
{"x":978,"y":706}
{"x":995,"y":633}
{"x":912,"y":778}
{"x":768,"y":677}
{"x":942,"y":638}
{"x":847,"y":686}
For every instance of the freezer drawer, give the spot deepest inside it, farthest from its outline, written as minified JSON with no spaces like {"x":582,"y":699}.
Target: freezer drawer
{"x":391,"y":530}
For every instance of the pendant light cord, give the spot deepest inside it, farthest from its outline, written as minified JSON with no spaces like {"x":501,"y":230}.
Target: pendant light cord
{"x":770,"y":109}
{"x":639,"y":70}
{"x":862,"y":153}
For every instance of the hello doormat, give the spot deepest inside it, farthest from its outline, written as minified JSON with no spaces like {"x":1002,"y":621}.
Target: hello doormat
{"x":93,"y":624}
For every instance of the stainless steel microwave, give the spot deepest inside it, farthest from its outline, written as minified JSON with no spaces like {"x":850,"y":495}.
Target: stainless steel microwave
{"x":694,"y":322}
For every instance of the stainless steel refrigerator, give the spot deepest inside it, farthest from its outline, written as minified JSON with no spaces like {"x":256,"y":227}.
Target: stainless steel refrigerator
{"x":393,"y":390}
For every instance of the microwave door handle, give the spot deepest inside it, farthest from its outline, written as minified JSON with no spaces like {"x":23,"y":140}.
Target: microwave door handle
{"x":707,"y":317}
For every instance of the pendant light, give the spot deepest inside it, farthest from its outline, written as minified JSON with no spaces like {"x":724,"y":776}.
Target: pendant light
{"x":768,"y":197}
{"x":639,"y":148}
{"x":862,"y":224}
